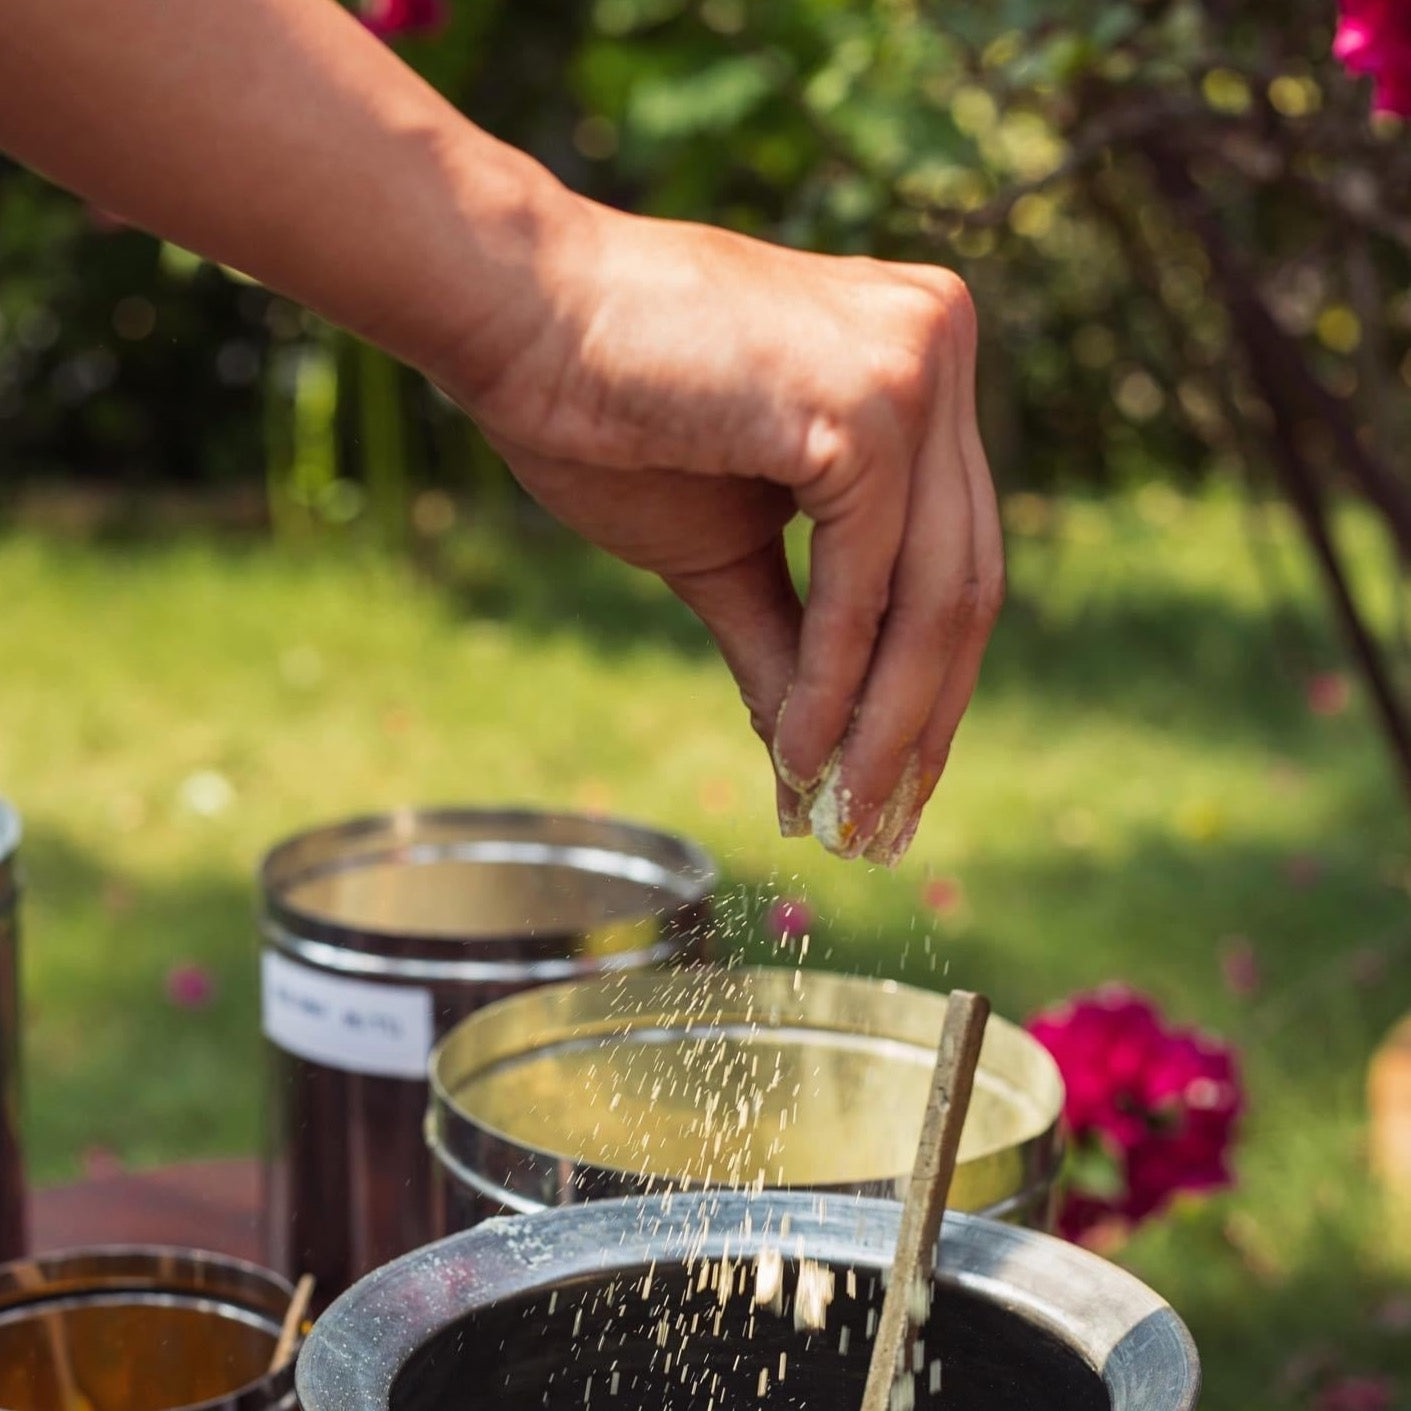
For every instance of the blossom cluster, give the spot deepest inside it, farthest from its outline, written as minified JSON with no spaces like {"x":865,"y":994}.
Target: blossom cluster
{"x":1374,"y":39}
{"x":1158,"y":1105}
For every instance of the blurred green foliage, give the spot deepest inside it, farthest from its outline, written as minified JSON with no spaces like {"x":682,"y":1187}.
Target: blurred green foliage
{"x":1011,"y":140}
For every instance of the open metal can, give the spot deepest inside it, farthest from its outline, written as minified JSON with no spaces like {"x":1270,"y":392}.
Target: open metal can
{"x":142,"y":1329}
{"x":12,"y":1178}
{"x":742,"y":1078}
{"x":634,"y":1305}
{"x":382,"y":933}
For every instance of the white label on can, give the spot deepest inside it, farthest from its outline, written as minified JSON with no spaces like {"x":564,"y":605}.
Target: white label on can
{"x":384,"y":1031}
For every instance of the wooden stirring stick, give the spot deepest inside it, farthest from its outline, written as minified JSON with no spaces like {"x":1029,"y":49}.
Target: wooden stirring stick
{"x":293,"y":1322}
{"x":71,"y":1397}
{"x":913,"y":1268}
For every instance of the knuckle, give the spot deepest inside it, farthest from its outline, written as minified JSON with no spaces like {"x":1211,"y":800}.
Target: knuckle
{"x":991,"y":592}
{"x":953,"y":313}
{"x":828,"y":449}
{"x":905,"y":379}
{"x":852,"y":620}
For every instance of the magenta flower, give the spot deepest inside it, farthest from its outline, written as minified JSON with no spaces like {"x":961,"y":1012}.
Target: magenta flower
{"x":1329,"y":693}
{"x":394,"y":19}
{"x":1357,"y":1394}
{"x":789,"y":920}
{"x":1239,"y":967}
{"x":944,"y":895}
{"x":1160,"y":1104}
{"x":1374,"y":39}
{"x":190,"y":986}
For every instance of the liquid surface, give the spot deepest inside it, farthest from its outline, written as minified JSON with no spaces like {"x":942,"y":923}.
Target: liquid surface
{"x":455,"y":900}
{"x":129,"y":1357}
{"x":664,"y":1340}
{"x":756,"y":1108}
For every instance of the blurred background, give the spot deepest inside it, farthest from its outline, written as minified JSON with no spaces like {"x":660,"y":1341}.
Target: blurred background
{"x":253,"y":576}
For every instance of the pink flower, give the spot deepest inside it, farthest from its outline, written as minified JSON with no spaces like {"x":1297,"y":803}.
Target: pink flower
{"x":1374,"y":38}
{"x":1162,"y":1103}
{"x":1357,"y":1394}
{"x":1239,"y":967}
{"x":1329,"y":693}
{"x":392,"y":19}
{"x":100,"y":1163}
{"x":1303,"y":870}
{"x":944,"y":895}
{"x":190,"y":986}
{"x":789,"y":920}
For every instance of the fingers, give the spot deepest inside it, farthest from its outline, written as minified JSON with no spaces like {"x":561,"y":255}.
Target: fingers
{"x":897,"y":826}
{"x":944,"y":594}
{"x":933,"y":601}
{"x":934,"y":746}
{"x":751,"y":609}
{"x":856,"y":537}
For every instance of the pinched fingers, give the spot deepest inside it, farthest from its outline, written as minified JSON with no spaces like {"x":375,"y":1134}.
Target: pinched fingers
{"x":752,"y":611}
{"x":942,"y":597}
{"x":858,"y":504}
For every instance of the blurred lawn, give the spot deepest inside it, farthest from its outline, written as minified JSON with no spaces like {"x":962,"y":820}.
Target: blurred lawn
{"x":1141,"y":778}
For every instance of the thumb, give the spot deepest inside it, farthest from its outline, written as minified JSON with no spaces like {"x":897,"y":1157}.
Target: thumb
{"x":752,"y":611}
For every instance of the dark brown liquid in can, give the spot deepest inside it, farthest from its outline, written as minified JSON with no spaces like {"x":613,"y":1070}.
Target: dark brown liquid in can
{"x":662,"y":1340}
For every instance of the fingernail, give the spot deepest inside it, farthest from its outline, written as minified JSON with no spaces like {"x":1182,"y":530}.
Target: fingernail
{"x":903,"y":843}
{"x":793,"y":820}
{"x":804,"y":788}
{"x":898,"y":819}
{"x":830,"y":813}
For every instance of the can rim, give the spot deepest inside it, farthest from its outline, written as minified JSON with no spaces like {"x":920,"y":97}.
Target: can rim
{"x":11,"y":831}
{"x":453,"y":1131}
{"x":11,"y":835}
{"x":152,"y":1269}
{"x":422,"y":954}
{"x":1123,"y":1330}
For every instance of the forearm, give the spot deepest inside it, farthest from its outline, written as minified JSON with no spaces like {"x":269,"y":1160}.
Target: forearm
{"x":278,"y":137}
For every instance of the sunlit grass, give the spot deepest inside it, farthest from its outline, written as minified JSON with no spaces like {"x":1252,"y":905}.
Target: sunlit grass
{"x":1139,"y":774}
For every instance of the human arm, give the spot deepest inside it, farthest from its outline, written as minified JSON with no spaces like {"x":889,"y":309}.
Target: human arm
{"x":674,"y":392}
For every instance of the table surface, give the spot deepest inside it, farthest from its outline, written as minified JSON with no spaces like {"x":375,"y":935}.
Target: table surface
{"x":212,"y":1205}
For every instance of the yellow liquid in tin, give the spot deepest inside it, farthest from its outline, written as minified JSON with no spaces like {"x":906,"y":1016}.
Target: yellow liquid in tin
{"x":746,"y":1110}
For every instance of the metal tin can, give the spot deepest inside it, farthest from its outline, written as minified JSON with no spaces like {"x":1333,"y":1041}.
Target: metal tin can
{"x":744,"y":1078}
{"x":382,"y":933}
{"x":657,"y":1301}
{"x":12,"y":1180}
{"x":142,"y":1329}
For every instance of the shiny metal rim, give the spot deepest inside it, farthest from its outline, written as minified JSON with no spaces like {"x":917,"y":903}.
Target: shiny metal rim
{"x":447,"y":1120}
{"x":1130,"y":1336}
{"x":688,"y":882}
{"x":327,"y":955}
{"x":11,"y":833}
{"x":136,"y":1273}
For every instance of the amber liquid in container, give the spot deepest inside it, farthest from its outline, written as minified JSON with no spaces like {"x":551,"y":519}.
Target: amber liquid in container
{"x":127,"y":1329}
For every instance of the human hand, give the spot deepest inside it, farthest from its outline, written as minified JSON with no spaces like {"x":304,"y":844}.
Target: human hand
{"x":683,"y":392}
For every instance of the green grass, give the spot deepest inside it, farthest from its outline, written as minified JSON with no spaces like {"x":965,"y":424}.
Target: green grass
{"x":1139,"y":769}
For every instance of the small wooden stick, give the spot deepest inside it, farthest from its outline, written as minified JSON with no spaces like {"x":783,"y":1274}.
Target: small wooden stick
{"x":71,"y":1396}
{"x":913,"y":1267}
{"x":293,"y":1322}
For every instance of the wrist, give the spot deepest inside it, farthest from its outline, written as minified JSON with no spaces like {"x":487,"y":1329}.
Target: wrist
{"x":509,"y":227}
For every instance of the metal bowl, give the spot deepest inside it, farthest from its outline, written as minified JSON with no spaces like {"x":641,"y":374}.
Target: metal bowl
{"x":12,"y":1182}
{"x":762,"y":1078}
{"x":143,"y":1329}
{"x":617,"y":1306}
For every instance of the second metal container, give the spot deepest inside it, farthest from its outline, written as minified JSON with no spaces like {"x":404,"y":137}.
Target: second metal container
{"x":12,"y":1182}
{"x":141,"y":1329}
{"x":741,"y":1078}
{"x":636,"y":1305}
{"x":382,"y":933}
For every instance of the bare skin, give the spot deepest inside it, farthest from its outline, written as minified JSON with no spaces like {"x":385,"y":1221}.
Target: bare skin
{"x":675,"y":393}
